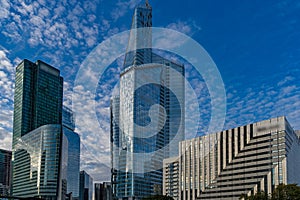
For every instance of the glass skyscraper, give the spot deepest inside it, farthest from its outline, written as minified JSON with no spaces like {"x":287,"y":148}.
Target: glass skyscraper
{"x":147,"y":118}
{"x":37,"y":131}
{"x":38,"y":97}
{"x":70,"y":154}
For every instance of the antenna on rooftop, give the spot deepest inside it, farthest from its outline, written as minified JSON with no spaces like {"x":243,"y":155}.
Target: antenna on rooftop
{"x":147,"y":3}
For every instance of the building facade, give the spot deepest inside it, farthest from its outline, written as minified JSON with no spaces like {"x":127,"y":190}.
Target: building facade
{"x":37,"y":163}
{"x":103,"y":191}
{"x":171,"y":177}
{"x":38,"y":97}
{"x":70,"y":154}
{"x":85,"y":186}
{"x":147,"y":118}
{"x":244,"y":160}
{"x":114,"y":143}
{"x":37,"y":131}
{"x":5,"y":172}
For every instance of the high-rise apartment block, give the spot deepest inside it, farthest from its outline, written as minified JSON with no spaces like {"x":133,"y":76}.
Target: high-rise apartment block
{"x":37,"y":131}
{"x":147,"y":118}
{"x":243,"y":160}
{"x":5,"y":172}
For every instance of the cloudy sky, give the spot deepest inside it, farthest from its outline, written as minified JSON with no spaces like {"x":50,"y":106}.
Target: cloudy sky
{"x":254,"y":44}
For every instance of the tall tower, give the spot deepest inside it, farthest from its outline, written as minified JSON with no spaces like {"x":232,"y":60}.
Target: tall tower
{"x":37,"y":131}
{"x":140,"y":35}
{"x":147,"y":118}
{"x":70,"y":153}
{"x":38,"y":97}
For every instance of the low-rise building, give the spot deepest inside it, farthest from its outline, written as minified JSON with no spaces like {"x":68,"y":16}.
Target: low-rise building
{"x":85,"y":186}
{"x":103,"y":191}
{"x":171,"y":177}
{"x":5,"y":172}
{"x":243,"y":160}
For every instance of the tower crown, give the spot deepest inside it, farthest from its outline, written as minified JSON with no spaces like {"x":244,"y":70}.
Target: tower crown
{"x":147,"y":4}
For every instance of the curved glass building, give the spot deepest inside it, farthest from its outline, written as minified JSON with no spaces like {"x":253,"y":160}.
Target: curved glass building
{"x":36,"y":163}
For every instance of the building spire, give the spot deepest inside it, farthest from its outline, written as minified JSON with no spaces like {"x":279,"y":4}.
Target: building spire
{"x":147,"y":3}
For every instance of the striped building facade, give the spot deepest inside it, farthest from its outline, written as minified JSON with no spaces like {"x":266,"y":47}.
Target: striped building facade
{"x":244,"y":160}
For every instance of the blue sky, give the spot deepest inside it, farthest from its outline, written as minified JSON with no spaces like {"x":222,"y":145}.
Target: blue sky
{"x":255,"y":45}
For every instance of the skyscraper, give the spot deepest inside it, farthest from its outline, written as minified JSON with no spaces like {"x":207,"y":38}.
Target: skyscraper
{"x":5,"y":169}
{"x":147,"y":118}
{"x":37,"y":131}
{"x":70,"y":154}
{"x":38,"y":97}
{"x":114,"y":142}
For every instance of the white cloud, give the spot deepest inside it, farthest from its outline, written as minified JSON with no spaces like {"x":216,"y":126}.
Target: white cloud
{"x":285,"y":80}
{"x":6,"y":139}
{"x":93,"y":165}
{"x":4,"y":8}
{"x":94,"y":132}
{"x":185,"y":27}
{"x":48,"y":24}
{"x":6,"y":102}
{"x":122,"y":8}
{"x":264,"y":102}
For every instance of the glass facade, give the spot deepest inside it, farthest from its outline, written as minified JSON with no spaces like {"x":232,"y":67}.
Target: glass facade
{"x":37,"y":131}
{"x":103,"y":191}
{"x":114,"y":141}
{"x":36,"y":163}
{"x":70,"y":154}
{"x":142,"y":18}
{"x":147,"y":119}
{"x":85,"y":186}
{"x":5,"y":169}
{"x":38,"y":97}
{"x":68,"y":118}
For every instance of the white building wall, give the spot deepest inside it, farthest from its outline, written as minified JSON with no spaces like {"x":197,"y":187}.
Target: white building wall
{"x":244,"y":160}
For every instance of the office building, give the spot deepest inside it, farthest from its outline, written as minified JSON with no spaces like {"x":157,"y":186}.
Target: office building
{"x":103,"y":191}
{"x":38,"y":97}
{"x":171,"y":177}
{"x":85,"y":186}
{"x":114,"y":142}
{"x":37,"y":163}
{"x":147,"y":119}
{"x":37,"y":131}
{"x":5,"y":172}
{"x":243,"y":160}
{"x":70,"y":154}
